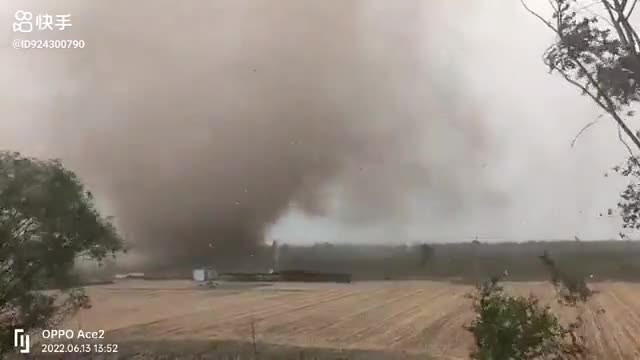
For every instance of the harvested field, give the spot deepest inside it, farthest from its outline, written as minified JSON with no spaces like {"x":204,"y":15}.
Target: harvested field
{"x":410,"y":317}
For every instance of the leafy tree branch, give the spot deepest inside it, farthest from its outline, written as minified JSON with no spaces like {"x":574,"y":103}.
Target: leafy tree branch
{"x":47,"y":220}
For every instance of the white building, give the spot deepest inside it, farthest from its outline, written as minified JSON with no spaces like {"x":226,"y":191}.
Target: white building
{"x":204,"y":274}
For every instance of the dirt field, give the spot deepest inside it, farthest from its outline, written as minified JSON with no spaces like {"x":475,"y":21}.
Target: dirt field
{"x":414,"y":317}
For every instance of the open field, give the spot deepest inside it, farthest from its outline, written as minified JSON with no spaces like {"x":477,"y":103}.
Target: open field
{"x":411,"y":317}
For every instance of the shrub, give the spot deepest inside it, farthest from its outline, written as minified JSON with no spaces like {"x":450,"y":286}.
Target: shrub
{"x":510,"y":327}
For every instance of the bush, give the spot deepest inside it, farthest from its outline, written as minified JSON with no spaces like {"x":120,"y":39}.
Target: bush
{"x":508,"y":327}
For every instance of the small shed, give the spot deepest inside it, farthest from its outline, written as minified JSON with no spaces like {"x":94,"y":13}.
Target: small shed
{"x":204,"y":274}
{"x":199,"y":275}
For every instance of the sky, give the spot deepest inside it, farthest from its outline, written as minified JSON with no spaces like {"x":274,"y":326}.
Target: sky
{"x":553,"y":191}
{"x":341,"y":121}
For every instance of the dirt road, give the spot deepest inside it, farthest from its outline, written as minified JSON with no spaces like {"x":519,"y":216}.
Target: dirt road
{"x":415,"y":317}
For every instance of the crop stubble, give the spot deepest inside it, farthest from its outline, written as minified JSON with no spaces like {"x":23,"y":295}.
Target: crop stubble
{"x":407,"y":316}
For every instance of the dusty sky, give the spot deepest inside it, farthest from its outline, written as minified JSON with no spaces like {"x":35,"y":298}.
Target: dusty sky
{"x":305,"y":121}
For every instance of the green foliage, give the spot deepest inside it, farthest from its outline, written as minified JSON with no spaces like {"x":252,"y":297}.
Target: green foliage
{"x":47,"y":220}
{"x":598,"y":55}
{"x":629,"y":204}
{"x":598,"y":50}
{"x":508,"y":327}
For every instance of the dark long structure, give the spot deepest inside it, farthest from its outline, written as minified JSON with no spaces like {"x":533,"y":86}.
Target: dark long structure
{"x":288,"y":275}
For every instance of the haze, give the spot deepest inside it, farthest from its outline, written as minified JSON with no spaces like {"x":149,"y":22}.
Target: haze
{"x":228,"y":123}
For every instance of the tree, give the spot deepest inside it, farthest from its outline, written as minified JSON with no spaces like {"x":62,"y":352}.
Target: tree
{"x":426,"y":253}
{"x":572,"y":286}
{"x":47,"y":221}
{"x":597,"y":50}
{"x":516,"y":327}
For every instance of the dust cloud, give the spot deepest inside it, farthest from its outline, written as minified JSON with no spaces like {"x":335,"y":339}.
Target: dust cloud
{"x":200,"y":124}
